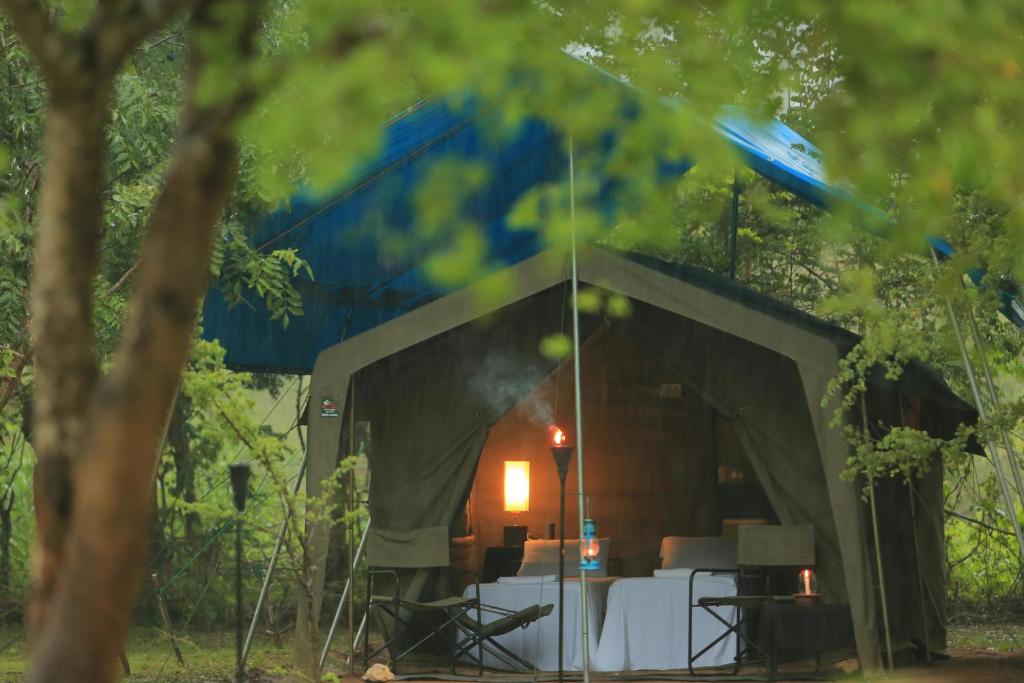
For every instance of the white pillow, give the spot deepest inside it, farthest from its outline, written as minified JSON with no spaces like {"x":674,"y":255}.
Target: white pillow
{"x":675,"y":573}
{"x":540,"y":558}
{"x":698,"y":552}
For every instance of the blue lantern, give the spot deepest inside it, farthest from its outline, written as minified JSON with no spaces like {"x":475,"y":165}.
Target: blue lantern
{"x":590,"y":547}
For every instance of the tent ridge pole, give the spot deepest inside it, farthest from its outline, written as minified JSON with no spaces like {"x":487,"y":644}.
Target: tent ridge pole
{"x":584,"y":625}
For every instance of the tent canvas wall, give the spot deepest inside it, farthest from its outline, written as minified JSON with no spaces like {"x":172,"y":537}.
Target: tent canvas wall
{"x":760,"y":364}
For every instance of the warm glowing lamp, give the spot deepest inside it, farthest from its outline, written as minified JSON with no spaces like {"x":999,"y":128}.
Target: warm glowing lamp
{"x":807,"y":588}
{"x":517,"y":486}
{"x":590,"y":547}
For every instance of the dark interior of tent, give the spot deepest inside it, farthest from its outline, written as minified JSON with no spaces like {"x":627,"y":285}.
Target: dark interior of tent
{"x":689,"y":432}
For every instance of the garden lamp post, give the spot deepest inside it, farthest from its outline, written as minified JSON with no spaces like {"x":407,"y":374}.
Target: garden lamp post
{"x":562,"y":453}
{"x":240,"y":487}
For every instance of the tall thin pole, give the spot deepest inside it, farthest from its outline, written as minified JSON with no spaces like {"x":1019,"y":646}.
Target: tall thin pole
{"x":346,"y":595}
{"x":734,"y":225}
{"x":240,"y":668}
{"x":273,"y":563}
{"x":561,"y":578}
{"x":350,"y":532}
{"x":1011,"y":452}
{"x":1011,"y":508}
{"x":584,"y":608}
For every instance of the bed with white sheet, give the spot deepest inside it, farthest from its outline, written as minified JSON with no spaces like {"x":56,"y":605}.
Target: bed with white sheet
{"x":647,"y":622}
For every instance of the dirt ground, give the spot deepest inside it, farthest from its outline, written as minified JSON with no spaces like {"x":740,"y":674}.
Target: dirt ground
{"x":964,"y":666}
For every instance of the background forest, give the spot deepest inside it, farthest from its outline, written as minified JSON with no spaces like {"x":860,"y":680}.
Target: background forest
{"x":878,"y":283}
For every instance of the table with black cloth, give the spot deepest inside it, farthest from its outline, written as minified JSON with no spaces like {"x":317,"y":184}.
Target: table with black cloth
{"x":501,"y":561}
{"x":787,"y":627}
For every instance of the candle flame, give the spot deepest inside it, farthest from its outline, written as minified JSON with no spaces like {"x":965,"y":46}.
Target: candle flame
{"x":557,"y":435}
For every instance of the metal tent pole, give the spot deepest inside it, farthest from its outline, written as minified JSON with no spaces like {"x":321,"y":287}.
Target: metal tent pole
{"x":584,"y":624}
{"x":359,"y":635}
{"x":1011,"y":508}
{"x":273,"y":563}
{"x":1011,"y":452}
{"x":734,"y":225}
{"x":344,"y":595}
{"x":354,"y":559}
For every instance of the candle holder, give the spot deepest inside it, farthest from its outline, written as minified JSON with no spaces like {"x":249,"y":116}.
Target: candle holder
{"x":807,"y":588}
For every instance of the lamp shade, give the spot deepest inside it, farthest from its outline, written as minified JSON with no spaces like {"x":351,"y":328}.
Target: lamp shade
{"x":517,"y":486}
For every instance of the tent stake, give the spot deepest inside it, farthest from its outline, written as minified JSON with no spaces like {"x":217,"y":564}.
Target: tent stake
{"x":1011,"y":508}
{"x":270,"y":567}
{"x":584,"y":625}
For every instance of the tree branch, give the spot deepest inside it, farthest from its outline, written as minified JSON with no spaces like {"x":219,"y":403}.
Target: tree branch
{"x":46,"y":43}
{"x":122,"y":26}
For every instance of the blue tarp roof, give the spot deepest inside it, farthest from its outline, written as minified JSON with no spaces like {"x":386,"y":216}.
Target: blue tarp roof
{"x":362,"y":279}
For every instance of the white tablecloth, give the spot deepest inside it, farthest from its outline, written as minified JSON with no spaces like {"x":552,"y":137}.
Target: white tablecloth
{"x":538,"y":642}
{"x":646,"y":624}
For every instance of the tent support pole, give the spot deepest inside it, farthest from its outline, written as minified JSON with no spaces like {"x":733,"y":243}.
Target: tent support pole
{"x":584,"y":623}
{"x":349,"y":532}
{"x":346,"y":595}
{"x":878,"y":542}
{"x":270,"y":567}
{"x":881,"y":572}
{"x":1011,"y":452}
{"x":1011,"y":508}
{"x":359,"y":635}
{"x":734,"y":226}
{"x":917,"y":570}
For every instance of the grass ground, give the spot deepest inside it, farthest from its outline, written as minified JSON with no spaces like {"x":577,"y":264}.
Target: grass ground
{"x":981,"y":652}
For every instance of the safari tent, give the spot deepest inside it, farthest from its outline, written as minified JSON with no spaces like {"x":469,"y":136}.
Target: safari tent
{"x":703,"y":374}
{"x":704,"y":404}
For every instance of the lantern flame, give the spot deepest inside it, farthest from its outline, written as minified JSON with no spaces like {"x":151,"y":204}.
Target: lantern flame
{"x":557,"y":436}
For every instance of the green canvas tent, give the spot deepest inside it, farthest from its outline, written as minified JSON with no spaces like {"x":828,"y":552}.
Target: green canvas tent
{"x":701,"y":371}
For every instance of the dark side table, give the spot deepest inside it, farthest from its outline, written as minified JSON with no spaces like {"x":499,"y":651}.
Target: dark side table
{"x":786,"y":627}
{"x":501,"y":561}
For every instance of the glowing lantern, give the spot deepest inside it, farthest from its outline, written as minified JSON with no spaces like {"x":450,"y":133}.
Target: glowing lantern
{"x":517,"y":486}
{"x":590,"y":547}
{"x":808,"y":582}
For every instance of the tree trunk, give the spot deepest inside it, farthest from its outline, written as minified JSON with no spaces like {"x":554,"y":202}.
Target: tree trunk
{"x":184,"y":466}
{"x":6,"y":508}
{"x":109,"y":531}
{"x":65,"y":367}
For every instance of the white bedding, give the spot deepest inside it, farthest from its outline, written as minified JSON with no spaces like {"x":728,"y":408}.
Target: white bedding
{"x":646,"y":627}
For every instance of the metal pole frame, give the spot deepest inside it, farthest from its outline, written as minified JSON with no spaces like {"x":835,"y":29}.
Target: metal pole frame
{"x":734,"y":225}
{"x":345,"y":593}
{"x":584,"y":607}
{"x":1011,"y":452}
{"x":982,"y":413}
{"x":240,"y":670}
{"x":273,"y":563}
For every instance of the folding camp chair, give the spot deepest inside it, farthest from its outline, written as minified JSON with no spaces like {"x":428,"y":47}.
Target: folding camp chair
{"x":480,"y":636}
{"x":758,"y":548}
{"x":437,"y":617}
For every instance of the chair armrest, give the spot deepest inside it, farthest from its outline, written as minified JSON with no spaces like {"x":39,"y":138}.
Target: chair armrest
{"x":371,"y":573}
{"x":704,"y":570}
